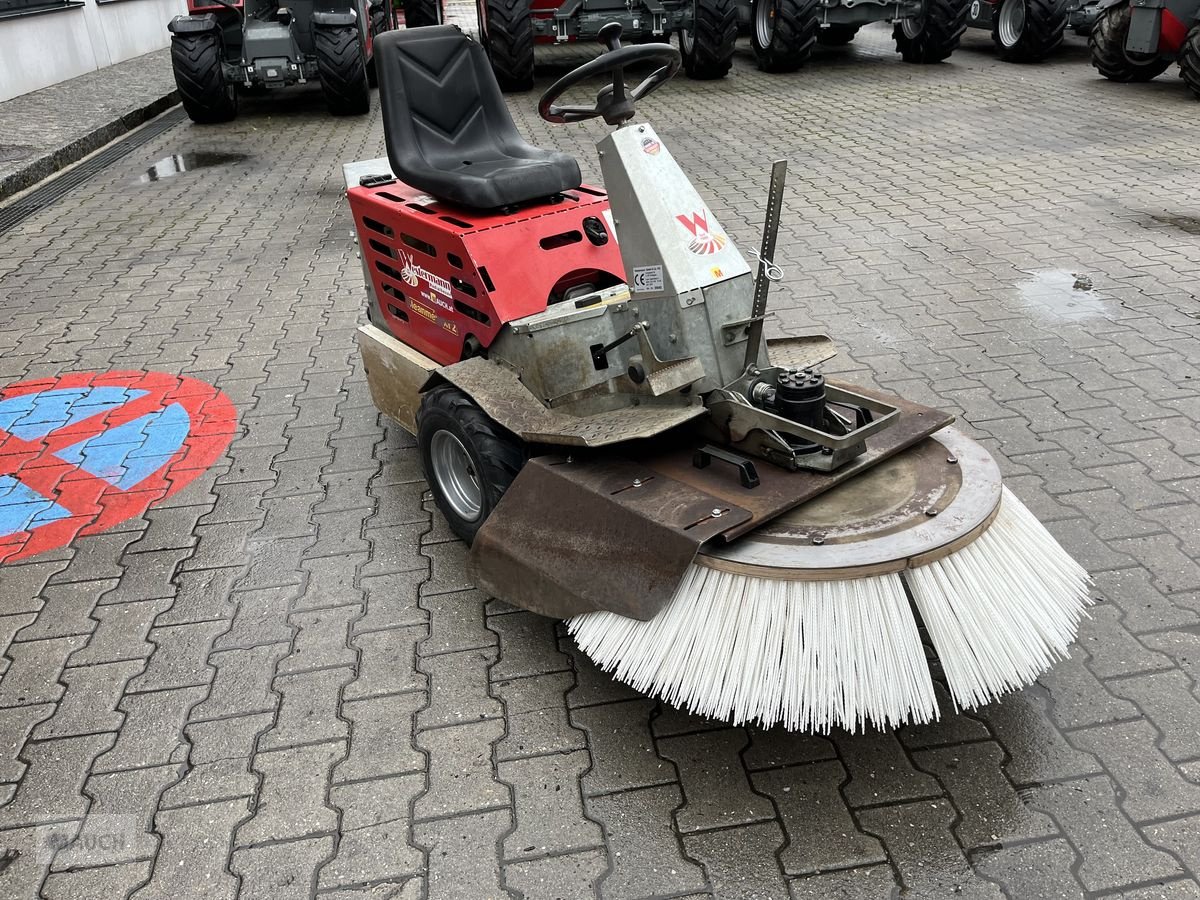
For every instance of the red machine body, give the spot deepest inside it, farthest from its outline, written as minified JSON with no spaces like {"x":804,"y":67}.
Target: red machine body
{"x":444,"y":275}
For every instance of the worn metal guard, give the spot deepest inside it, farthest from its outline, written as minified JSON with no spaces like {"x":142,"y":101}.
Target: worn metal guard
{"x":574,"y":536}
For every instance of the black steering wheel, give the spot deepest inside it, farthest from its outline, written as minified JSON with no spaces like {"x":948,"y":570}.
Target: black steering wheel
{"x":615,"y":102}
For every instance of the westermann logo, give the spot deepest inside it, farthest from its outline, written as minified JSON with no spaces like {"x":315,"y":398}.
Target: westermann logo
{"x":704,"y":241}
{"x":412,"y":273}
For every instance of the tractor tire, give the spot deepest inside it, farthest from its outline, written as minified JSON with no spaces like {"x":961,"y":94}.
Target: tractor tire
{"x":1028,"y":30}
{"x":837,"y":35}
{"x":469,"y":460}
{"x":383,"y":19}
{"x":1107,"y":44}
{"x":419,"y":13}
{"x":207,"y":97}
{"x":342,"y":70}
{"x":707,"y":48}
{"x":1189,"y":61}
{"x":933,"y":37}
{"x":506,"y":32}
{"x":783,"y":33}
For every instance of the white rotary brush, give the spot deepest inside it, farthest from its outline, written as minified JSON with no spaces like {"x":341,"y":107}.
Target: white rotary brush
{"x":812,"y":620}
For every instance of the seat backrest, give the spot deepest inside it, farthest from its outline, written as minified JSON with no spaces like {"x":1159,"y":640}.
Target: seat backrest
{"x":440,"y":100}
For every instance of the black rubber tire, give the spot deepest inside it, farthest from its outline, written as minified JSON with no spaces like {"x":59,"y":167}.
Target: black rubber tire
{"x":1107,"y":45}
{"x":342,"y":70}
{"x":792,"y":38}
{"x":383,"y":19}
{"x":1189,"y":61}
{"x":1042,"y":34}
{"x":707,"y":49}
{"x":944,"y":24}
{"x":496,"y":454}
{"x":207,"y":97}
{"x":419,"y":13}
{"x":506,"y":31}
{"x":837,"y":35}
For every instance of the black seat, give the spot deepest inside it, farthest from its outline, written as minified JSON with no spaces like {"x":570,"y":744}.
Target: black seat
{"x":447,"y":129}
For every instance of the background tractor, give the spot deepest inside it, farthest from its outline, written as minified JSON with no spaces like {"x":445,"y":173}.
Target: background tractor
{"x":782,"y":32}
{"x":225,"y":46}
{"x":1022,"y":30}
{"x":1139,"y":41}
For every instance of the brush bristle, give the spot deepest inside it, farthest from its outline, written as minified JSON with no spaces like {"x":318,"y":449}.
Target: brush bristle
{"x":810,"y":655}
{"x":817,"y":655}
{"x":1003,"y":609}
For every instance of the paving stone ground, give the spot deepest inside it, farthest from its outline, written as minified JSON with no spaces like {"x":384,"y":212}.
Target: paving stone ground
{"x":280,"y":682}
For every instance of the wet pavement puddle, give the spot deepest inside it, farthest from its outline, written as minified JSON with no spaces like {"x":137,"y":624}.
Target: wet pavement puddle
{"x":178,"y":163}
{"x":1061,"y":294}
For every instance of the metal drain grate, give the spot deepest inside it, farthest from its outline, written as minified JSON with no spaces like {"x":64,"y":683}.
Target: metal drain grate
{"x":59,"y":186}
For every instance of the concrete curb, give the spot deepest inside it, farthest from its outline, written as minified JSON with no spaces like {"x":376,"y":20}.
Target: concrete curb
{"x":46,"y":164}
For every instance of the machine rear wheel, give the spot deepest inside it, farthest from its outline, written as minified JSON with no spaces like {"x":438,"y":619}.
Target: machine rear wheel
{"x":419,"y":13}
{"x":1189,"y":61}
{"x":935,"y":34}
{"x":506,"y":32}
{"x":469,"y":460}
{"x":707,"y":47}
{"x":206,"y":95}
{"x":837,"y":35}
{"x":1109,"y":56}
{"x":783,"y":33}
{"x":342,"y":70}
{"x":1029,"y":30}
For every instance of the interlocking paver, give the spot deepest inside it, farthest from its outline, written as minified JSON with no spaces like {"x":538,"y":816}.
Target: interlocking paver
{"x":549,"y":808}
{"x":461,"y":776}
{"x":462,"y":855}
{"x":374,"y":845}
{"x":810,"y":802}
{"x":291,"y":801}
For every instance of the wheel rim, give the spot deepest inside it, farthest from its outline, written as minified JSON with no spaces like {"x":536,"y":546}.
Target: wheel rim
{"x":685,"y":34}
{"x":912,"y":28}
{"x":764,"y":22}
{"x":1012,"y":22}
{"x":455,"y":475}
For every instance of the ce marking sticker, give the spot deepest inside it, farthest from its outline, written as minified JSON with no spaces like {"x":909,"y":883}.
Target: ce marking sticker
{"x":647,"y":279}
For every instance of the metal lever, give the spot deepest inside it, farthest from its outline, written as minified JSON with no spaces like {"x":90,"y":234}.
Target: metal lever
{"x":762,"y":282}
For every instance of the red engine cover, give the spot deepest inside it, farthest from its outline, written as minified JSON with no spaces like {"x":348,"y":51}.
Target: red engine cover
{"x":444,"y":274}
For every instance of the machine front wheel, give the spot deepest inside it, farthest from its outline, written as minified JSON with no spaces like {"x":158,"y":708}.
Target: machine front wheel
{"x":707,"y":47}
{"x":1109,"y":56}
{"x":1029,"y":30}
{"x":506,"y":32}
{"x":419,"y":13}
{"x":207,"y":97}
{"x":783,"y":33}
{"x":836,"y":35}
{"x":342,"y":70}
{"x":469,"y":460}
{"x":1189,"y":61}
{"x":934,"y":35}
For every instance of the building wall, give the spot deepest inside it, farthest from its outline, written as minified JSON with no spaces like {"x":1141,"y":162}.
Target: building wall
{"x":44,"y":49}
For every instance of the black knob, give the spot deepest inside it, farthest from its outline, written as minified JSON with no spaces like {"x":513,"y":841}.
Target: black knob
{"x":595,"y":231}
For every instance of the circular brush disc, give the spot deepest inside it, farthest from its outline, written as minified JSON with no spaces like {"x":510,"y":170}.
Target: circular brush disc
{"x":811,"y":621}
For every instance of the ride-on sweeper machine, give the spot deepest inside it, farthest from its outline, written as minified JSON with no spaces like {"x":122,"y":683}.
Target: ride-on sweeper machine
{"x":600,"y":416}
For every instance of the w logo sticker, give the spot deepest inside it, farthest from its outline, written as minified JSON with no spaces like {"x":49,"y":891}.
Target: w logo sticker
{"x":704,"y":242}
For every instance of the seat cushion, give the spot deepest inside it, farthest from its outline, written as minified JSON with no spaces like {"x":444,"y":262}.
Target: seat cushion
{"x":448,"y":130}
